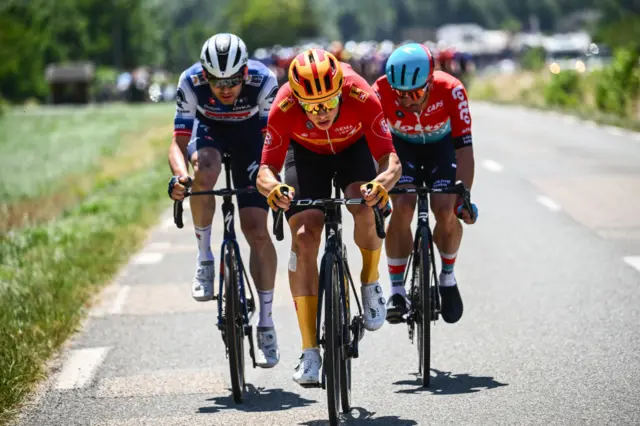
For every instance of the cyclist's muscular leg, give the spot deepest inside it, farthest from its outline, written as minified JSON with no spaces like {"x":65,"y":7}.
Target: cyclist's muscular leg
{"x":262,"y":266}
{"x":206,"y":163}
{"x":262,"y":260}
{"x":447,"y":236}
{"x":306,"y":230}
{"x":447,"y":233}
{"x":370,"y":246}
{"x":398,"y":245}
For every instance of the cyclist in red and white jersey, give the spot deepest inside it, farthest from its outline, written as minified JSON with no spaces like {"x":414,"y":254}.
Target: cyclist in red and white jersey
{"x":428,"y":114}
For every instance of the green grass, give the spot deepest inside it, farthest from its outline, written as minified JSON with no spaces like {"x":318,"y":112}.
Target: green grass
{"x":51,"y":158}
{"x":49,"y":272}
{"x":40,"y":147}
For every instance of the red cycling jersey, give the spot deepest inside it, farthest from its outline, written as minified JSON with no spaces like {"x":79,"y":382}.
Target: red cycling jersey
{"x":360,"y":113}
{"x":446,"y":113}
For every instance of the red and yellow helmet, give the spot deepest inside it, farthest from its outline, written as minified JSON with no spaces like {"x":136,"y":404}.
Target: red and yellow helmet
{"x":315,"y":76}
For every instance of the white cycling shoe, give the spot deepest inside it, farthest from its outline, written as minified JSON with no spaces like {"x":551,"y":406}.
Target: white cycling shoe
{"x":202,"y":284}
{"x":307,"y":372}
{"x":267,"y":355}
{"x":374,"y":309}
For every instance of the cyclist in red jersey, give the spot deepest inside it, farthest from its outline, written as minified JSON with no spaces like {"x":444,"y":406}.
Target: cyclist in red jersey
{"x":428,"y":113}
{"x":327,"y":120}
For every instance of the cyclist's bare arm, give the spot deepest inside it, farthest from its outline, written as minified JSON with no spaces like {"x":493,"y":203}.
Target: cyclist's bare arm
{"x":266,"y":180}
{"x":466,"y":165}
{"x":389,"y":169}
{"x":178,"y":155}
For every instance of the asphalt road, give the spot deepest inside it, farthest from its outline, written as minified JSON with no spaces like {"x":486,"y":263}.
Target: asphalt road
{"x":550,"y":334}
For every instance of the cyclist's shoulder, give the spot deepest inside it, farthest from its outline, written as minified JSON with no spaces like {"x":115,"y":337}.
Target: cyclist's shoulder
{"x":259,"y":73}
{"x":193,"y":76}
{"x":445,"y":80}
{"x":284,"y":102}
{"x":355,"y":88}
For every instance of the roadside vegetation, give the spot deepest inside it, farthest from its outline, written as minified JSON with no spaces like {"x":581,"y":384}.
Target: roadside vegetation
{"x":610,"y":95}
{"x":90,"y":182}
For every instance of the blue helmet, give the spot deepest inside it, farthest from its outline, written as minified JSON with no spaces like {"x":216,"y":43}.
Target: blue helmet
{"x":410,"y":67}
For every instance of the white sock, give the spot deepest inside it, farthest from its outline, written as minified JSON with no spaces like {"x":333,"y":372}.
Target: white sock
{"x":266,"y":304}
{"x":203,"y":235}
{"x":447,"y":279}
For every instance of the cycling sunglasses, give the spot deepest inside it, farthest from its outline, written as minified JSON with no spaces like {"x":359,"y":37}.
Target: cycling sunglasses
{"x":224,"y":83}
{"x":416,"y":94}
{"x":314,"y":108}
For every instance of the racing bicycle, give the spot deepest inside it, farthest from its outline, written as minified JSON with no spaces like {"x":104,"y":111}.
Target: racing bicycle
{"x":424,"y":293}
{"x":235,"y":309}
{"x":340,"y":332}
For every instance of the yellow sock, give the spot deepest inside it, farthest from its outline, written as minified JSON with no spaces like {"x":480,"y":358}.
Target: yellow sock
{"x":370,"y":260}
{"x":307,"y":309}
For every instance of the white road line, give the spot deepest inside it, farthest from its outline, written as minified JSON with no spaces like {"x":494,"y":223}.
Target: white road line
{"x":121,"y":298}
{"x":492,"y":166}
{"x":548,"y":203}
{"x":633,"y":261}
{"x":147,"y":258}
{"x":80,"y":368}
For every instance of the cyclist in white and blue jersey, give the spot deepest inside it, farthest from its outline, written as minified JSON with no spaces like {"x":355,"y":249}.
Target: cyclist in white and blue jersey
{"x":222,"y":104}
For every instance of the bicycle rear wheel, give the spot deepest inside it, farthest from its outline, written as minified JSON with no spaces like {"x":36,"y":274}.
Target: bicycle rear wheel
{"x":345,"y":363}
{"x":425,"y":308}
{"x":234,"y":323}
{"x":333,"y":336}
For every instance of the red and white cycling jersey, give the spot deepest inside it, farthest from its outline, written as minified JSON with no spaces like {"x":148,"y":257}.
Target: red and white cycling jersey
{"x":445,"y":115}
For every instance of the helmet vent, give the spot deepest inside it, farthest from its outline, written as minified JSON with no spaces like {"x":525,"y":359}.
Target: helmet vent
{"x":393,"y":74}
{"x":415,"y":76}
{"x":404,"y":69}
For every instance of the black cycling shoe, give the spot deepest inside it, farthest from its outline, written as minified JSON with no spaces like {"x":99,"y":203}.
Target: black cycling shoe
{"x":451,"y":304}
{"x":397,"y":307}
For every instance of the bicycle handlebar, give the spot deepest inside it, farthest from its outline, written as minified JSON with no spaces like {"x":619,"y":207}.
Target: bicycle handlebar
{"x":177,"y":204}
{"x":378,"y":214}
{"x":458,"y":189}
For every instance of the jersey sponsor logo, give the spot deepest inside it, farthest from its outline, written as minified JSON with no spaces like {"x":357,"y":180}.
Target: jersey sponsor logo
{"x":434,"y":107}
{"x":358,"y":93}
{"x":198,"y":80}
{"x":467,"y":139}
{"x":286,"y":104}
{"x":384,"y":126}
{"x":268,"y":139}
{"x":418,"y":128}
{"x":310,"y":125}
{"x":255,"y":80}
{"x":343,"y":130}
{"x":466,"y":130}
{"x":272,"y":140}
{"x":181,"y":99}
{"x":463,"y":105}
{"x":400,"y":114}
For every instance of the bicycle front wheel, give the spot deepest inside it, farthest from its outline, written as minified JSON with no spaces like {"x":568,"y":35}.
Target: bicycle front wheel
{"x":234,"y":323}
{"x":333,"y":336}
{"x":424,"y":317}
{"x":345,"y":363}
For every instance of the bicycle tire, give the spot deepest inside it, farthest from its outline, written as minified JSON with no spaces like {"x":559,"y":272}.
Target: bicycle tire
{"x":345,"y":363}
{"x":424,"y":318}
{"x":234,"y":323}
{"x":332,"y":347}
